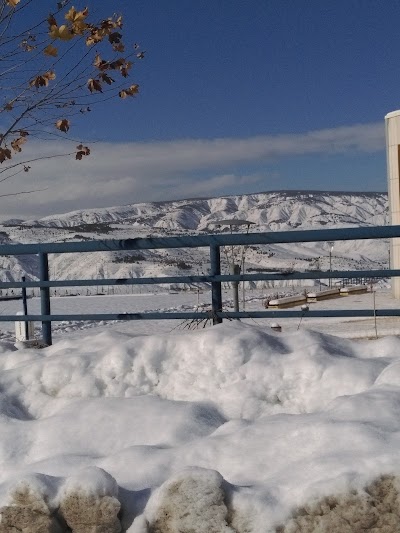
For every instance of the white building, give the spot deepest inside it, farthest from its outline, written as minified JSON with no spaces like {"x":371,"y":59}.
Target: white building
{"x":392,"y":123}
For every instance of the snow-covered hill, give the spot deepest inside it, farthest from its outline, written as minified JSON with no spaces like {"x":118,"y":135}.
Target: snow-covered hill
{"x":270,"y":211}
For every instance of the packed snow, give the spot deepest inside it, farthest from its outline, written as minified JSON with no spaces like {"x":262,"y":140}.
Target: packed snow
{"x":233,"y":428}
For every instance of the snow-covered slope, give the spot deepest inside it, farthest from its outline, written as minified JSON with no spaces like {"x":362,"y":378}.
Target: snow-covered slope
{"x":271,"y":211}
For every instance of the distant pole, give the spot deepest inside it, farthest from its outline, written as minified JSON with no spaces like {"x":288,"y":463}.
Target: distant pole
{"x":235,"y":270}
{"x":242,"y":271}
{"x":330,"y":261}
{"x":25,"y":307}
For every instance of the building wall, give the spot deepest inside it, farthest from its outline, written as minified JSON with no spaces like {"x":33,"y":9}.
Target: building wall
{"x":392,"y":121}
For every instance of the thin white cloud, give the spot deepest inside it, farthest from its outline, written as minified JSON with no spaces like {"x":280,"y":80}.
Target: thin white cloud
{"x":121,"y":173}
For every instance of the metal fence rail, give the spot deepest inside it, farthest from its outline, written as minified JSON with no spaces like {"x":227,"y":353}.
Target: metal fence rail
{"x":215,"y":278}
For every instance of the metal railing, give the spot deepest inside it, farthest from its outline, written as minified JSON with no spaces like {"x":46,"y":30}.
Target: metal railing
{"x":215,"y":278}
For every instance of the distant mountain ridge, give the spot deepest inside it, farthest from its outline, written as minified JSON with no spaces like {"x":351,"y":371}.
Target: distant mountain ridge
{"x":269,"y":211}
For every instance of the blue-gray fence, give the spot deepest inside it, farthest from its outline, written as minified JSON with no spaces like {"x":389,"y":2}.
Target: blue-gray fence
{"x":215,"y":278}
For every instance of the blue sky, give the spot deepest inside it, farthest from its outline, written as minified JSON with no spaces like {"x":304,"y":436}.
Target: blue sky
{"x":232,"y":68}
{"x":244,"y":73}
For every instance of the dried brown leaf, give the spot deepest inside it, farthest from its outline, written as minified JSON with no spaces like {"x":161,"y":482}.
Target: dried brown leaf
{"x":62,"y":32}
{"x":107,"y":79}
{"x":119,"y":47}
{"x":43,"y":79}
{"x":82,"y":151}
{"x":63,"y":125}
{"x":51,"y":20}
{"x":5,"y":153}
{"x":131,"y":91}
{"x":17,"y":143}
{"x":94,"y":85}
{"x":51,"y":50}
{"x":115,"y":37}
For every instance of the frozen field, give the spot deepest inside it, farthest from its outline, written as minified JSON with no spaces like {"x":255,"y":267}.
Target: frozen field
{"x":191,"y":301}
{"x":228,"y":429}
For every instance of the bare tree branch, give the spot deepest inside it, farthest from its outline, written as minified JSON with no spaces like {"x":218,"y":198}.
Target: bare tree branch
{"x":22,"y":192}
{"x":54,"y":69}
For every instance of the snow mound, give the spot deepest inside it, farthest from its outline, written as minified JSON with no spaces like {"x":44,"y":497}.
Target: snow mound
{"x":30,"y":507}
{"x":86,"y":502}
{"x":377,"y":509}
{"x":192,"y":500}
{"x":246,"y":371}
{"x":87,"y":513}
{"x":90,"y":481}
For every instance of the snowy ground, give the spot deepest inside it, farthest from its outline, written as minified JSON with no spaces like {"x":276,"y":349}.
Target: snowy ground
{"x":219,"y":430}
{"x":191,"y":301}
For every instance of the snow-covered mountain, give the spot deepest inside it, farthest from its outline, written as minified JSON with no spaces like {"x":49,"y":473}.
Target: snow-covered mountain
{"x":270,"y":211}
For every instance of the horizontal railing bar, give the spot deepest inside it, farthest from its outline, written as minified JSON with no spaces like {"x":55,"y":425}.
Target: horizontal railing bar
{"x":351,"y":313}
{"x":196,"y":241}
{"x":260,"y":276}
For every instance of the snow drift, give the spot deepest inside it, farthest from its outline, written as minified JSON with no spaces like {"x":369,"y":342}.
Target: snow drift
{"x":256,"y":430}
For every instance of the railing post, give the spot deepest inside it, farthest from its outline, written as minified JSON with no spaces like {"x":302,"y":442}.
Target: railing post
{"x":216,"y":292}
{"x":45,"y":297}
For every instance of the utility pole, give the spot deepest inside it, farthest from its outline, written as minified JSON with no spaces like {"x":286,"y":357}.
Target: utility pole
{"x":330,"y":260}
